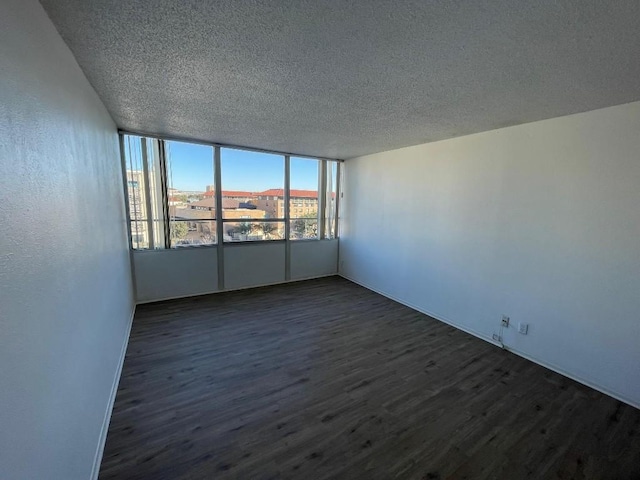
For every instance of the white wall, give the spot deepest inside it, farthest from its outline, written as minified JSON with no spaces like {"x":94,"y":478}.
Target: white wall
{"x":65,"y":287}
{"x":182,"y":272}
{"x":251,"y":265}
{"x":313,"y":259}
{"x":540,"y":222}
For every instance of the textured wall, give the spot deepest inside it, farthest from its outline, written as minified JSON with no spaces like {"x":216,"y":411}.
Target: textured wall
{"x":65,"y":286}
{"x":540,"y":222}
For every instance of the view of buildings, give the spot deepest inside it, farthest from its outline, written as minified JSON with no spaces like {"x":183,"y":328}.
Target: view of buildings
{"x":255,"y":213}
{"x":248,"y":216}
{"x":137,"y":209}
{"x":171,"y":204}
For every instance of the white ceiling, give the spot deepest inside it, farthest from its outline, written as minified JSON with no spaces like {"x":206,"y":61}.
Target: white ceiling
{"x":345,"y":78}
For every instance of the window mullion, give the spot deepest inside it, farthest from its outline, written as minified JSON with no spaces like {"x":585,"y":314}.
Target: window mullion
{"x":322,"y":192}
{"x":147,"y":192}
{"x":125,"y":180}
{"x":287,"y":194}
{"x":217,"y":187}
{"x":164,"y":191}
{"x":287,"y":217}
{"x":336,"y":206}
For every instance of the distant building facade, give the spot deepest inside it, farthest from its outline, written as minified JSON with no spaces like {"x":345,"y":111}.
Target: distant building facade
{"x":137,"y":208}
{"x":302,"y":203}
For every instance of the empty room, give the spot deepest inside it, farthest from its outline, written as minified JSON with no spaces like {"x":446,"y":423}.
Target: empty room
{"x":319,"y":239}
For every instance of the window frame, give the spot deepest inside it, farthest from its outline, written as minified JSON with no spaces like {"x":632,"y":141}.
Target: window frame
{"x":219,"y":219}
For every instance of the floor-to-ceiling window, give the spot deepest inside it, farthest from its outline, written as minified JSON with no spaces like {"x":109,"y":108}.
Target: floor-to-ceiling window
{"x":184,"y":194}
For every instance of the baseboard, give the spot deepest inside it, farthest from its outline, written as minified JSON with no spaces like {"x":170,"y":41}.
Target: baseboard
{"x":440,"y":318}
{"x":574,"y":377}
{"x":189,"y":295}
{"x":490,"y":340}
{"x":112,"y":398}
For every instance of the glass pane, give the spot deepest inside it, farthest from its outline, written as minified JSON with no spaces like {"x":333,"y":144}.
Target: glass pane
{"x":142,"y":162}
{"x":154,"y":177}
{"x":193,"y":233}
{"x":248,"y":231}
{"x":191,"y":194}
{"x":304,"y":228}
{"x":252,"y":185}
{"x":139,"y":236}
{"x":233,"y":210}
{"x":330,"y":199}
{"x":135,"y":178}
{"x":303,"y":198}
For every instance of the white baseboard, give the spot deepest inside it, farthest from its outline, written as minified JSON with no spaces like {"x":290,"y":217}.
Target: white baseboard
{"x":575,"y":377}
{"x":112,"y":398}
{"x":486,"y":338}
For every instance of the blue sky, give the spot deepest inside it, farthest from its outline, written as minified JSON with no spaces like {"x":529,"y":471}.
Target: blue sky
{"x":191,"y":168}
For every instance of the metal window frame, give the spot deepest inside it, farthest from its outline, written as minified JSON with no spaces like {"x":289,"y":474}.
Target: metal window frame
{"x":337,"y":204}
{"x":147,"y":193}
{"x":122,"y":131}
{"x":322,"y":201}
{"x":322,"y":196}
{"x":125,"y":183}
{"x":164,"y":188}
{"x":304,"y":202}
{"x":217,"y":184}
{"x":287,"y":215}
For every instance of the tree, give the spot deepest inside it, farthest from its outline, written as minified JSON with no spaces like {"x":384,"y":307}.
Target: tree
{"x":267,"y":228}
{"x":306,"y":226}
{"x":179,"y":230}
{"x":245,"y":228}
{"x":297,"y":228}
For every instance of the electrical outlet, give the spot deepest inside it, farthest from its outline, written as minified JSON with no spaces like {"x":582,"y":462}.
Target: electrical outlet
{"x":523,"y":328}
{"x":497,"y":337}
{"x":505,"y":321}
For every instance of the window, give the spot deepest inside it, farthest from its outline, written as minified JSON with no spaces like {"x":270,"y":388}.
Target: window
{"x":174,"y":201}
{"x":331,"y":200}
{"x":252,"y":191}
{"x":191,"y":194}
{"x":144,"y":191}
{"x":303,"y":198}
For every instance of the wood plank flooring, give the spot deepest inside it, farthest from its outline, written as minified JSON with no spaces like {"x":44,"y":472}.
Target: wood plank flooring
{"x":324,"y":379}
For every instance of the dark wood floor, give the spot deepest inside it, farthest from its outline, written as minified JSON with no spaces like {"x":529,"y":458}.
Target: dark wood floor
{"x":325,"y":379}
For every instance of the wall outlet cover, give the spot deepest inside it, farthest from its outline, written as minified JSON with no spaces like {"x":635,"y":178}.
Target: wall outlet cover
{"x":523,"y":328}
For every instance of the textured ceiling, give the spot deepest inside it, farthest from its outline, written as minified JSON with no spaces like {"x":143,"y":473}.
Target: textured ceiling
{"x":345,"y":78}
